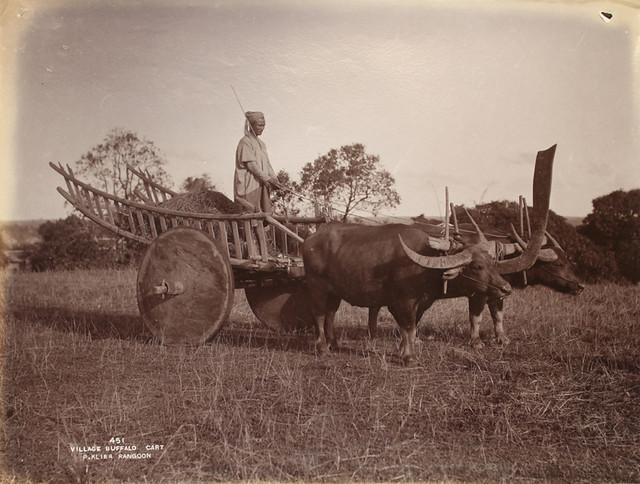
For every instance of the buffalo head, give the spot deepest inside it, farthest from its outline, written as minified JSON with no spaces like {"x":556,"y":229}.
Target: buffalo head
{"x":553,"y":268}
{"x":474,"y":264}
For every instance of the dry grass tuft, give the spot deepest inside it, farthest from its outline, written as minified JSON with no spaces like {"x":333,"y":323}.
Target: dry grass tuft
{"x":558,"y":403}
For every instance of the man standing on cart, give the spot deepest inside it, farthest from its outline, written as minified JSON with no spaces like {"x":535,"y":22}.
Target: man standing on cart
{"x":254,"y":177}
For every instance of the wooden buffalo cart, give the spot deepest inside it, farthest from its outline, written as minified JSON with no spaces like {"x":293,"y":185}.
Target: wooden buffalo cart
{"x":195,"y":261}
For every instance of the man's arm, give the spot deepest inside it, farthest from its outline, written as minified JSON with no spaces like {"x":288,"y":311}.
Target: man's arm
{"x":255,"y":170}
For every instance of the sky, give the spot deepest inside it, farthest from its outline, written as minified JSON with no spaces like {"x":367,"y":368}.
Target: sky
{"x":457,"y":94}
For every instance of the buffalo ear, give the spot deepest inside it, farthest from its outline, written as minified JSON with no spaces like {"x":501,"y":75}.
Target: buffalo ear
{"x":451,"y":273}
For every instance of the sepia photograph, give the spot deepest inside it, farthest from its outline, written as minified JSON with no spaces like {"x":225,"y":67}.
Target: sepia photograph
{"x":319,"y":241}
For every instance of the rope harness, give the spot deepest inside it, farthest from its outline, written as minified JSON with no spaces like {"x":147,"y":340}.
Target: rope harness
{"x":488,"y":284}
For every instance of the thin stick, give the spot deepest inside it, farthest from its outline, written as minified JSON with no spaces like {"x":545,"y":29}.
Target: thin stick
{"x":455,"y":218}
{"x":244,"y":113}
{"x":526,"y":216}
{"x":446,"y":228}
{"x":521,"y":216}
{"x":446,"y":213}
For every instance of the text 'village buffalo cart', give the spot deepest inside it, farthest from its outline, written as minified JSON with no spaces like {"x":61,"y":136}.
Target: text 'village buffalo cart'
{"x":195,"y":261}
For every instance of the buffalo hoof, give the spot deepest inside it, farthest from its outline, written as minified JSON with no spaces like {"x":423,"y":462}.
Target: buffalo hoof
{"x":322,"y":348}
{"x":502,"y":340}
{"x":409,"y":361}
{"x":334,"y":346}
{"x":476,"y":344}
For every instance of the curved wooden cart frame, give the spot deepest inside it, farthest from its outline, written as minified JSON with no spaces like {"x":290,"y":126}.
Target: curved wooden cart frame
{"x":262,"y":250}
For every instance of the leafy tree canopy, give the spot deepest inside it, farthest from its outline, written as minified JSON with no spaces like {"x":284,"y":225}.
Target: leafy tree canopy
{"x":592,"y":263}
{"x":615,"y":217}
{"x":76,"y":243}
{"x":351,"y":179}
{"x":197,"y":183}
{"x":105,"y":165}
{"x":614,"y":225}
{"x":284,"y":199}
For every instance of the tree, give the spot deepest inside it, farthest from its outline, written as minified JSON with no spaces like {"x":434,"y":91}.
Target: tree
{"x":76,"y":243}
{"x":105,"y":165}
{"x":592,"y":262}
{"x":350,"y":178}
{"x":284,"y":199}
{"x":66,"y":244}
{"x":4,"y":260}
{"x":615,"y":217}
{"x":197,"y":183}
{"x":614,"y":225}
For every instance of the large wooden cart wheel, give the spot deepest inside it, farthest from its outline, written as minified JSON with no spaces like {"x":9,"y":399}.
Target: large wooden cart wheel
{"x":185,"y":287}
{"x":281,"y":308}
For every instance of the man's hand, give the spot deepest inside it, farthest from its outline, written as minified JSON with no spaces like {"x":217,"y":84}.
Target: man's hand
{"x":273,"y":182}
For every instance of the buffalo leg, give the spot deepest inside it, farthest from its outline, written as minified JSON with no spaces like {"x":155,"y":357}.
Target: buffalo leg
{"x":320,"y":310}
{"x":333,"y":303}
{"x":476,"y":306}
{"x":321,"y":340}
{"x":406,"y":319}
{"x":496,"y":306}
{"x":373,"y":322}
{"x":422,"y":307}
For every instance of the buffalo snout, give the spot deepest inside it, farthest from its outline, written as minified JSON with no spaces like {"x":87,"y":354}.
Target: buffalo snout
{"x":506,"y":289}
{"x":499,"y":287}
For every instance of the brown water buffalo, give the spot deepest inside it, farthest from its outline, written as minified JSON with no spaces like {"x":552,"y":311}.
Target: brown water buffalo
{"x":403,"y":268}
{"x":368,"y":266}
{"x":551,"y":269}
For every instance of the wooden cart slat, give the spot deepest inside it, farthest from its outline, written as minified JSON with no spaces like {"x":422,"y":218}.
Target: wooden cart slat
{"x":246,"y":237}
{"x":236,"y":239}
{"x":223,"y":237}
{"x":249,"y":238}
{"x":210,"y":229}
{"x":262,"y":241}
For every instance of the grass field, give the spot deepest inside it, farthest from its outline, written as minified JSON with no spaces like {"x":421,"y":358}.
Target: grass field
{"x":560,"y":402}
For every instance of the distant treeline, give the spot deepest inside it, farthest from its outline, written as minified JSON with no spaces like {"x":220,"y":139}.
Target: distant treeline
{"x":605,"y":247}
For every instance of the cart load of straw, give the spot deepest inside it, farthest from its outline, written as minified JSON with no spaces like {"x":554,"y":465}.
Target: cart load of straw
{"x":203,"y":201}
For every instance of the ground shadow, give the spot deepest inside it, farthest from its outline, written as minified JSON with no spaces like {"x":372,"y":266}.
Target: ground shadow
{"x":103,"y":325}
{"x":240,"y":335}
{"x":97,"y":325}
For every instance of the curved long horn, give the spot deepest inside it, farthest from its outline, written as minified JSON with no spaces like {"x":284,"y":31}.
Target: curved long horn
{"x":442,"y":262}
{"x":482,"y":239}
{"x":554,"y":241}
{"x":516,"y":236}
{"x":545,"y":255}
{"x":541,"y":198}
{"x":518,"y":239}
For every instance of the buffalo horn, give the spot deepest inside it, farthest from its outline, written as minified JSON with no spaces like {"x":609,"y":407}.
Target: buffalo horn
{"x":482,"y":239}
{"x":554,"y":242}
{"x":541,"y":198}
{"x":545,"y":255}
{"x":441,"y":262}
{"x":521,"y":242}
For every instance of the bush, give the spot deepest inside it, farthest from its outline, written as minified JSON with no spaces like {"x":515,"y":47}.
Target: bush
{"x":592,"y":263}
{"x":74,"y":243}
{"x":628,"y":258}
{"x":614,"y":225}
